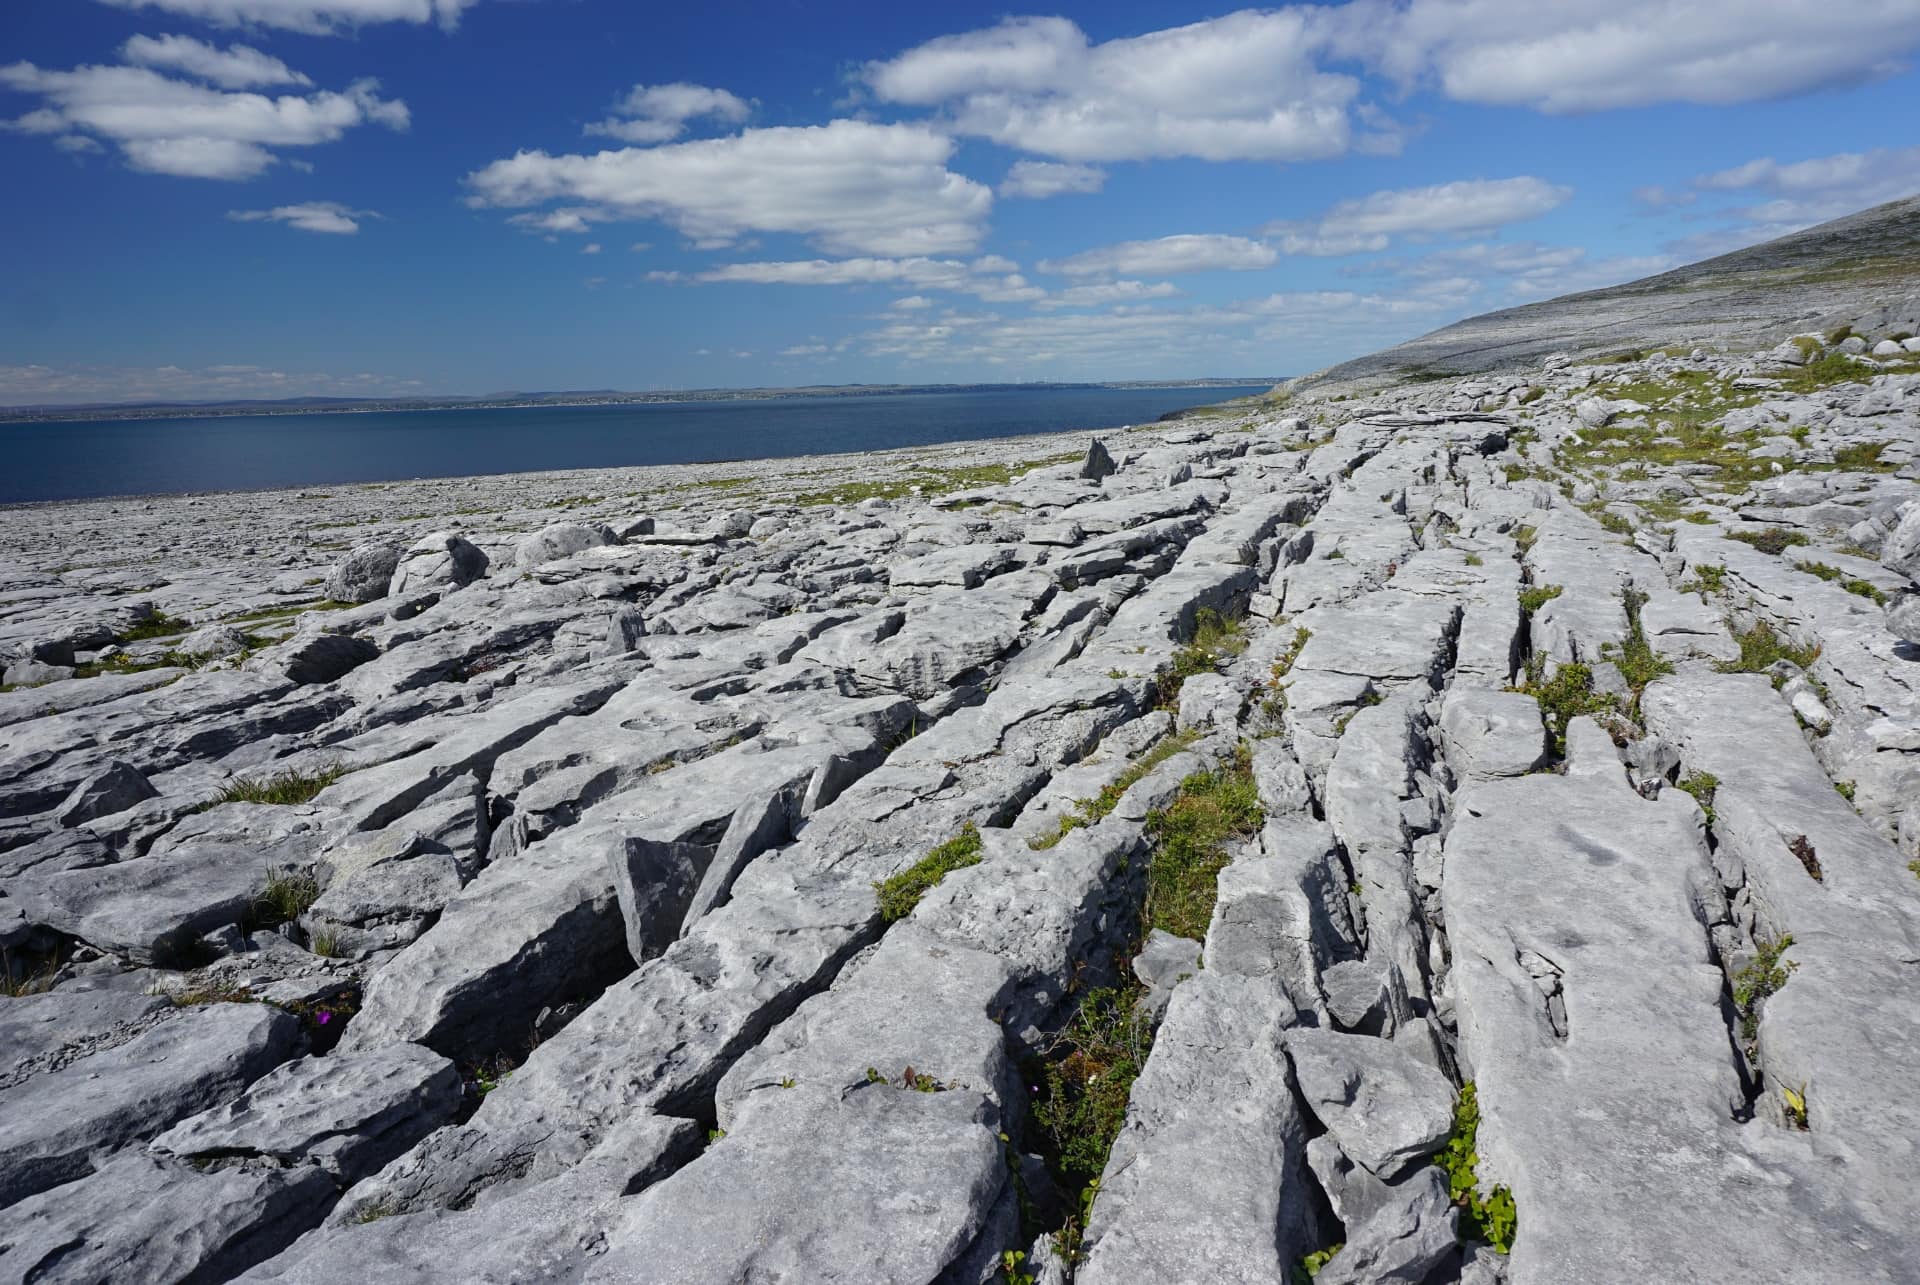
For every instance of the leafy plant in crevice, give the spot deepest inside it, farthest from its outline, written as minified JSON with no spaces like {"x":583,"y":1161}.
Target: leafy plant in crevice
{"x":1216,"y":637}
{"x":1534,"y":597}
{"x":1701,"y":785}
{"x":1707,"y":579}
{"x":1489,"y":1216}
{"x":1274,"y":703}
{"x":1310,"y":1266}
{"x":1852,"y":584}
{"x":901,"y":893}
{"x":1635,"y":658}
{"x":1763,"y":976}
{"x":288,"y":894}
{"x":1564,"y":697}
{"x":1774,"y":540}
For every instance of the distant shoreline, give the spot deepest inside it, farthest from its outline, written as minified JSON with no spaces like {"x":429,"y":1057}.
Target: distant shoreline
{"x":140,"y":411}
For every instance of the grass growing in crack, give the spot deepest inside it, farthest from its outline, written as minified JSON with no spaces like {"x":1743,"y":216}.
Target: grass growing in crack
{"x":290,"y":892}
{"x":1761,"y":649}
{"x":1852,"y":584}
{"x":158,"y":625}
{"x":1274,"y":704}
{"x":1309,"y":1267}
{"x":1774,"y":540}
{"x":1635,"y":658}
{"x":288,"y":787}
{"x":1190,"y":837}
{"x":1764,"y":976}
{"x":1096,"y":809}
{"x":1535,"y":597}
{"x":1701,"y":786}
{"x":1488,"y":1216}
{"x":900,"y":894}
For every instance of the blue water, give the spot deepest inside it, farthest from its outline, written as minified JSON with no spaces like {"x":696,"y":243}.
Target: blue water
{"x":78,"y":459}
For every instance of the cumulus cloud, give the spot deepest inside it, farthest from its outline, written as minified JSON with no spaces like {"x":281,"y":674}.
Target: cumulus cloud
{"x":1241,"y":87}
{"x":314,"y":17}
{"x":1368,"y":223}
{"x":1823,"y":187}
{"x":309,"y":216}
{"x":1040,"y":179}
{"x":235,"y":67}
{"x":1168,"y":256}
{"x":852,"y":187}
{"x":1520,"y":270}
{"x":1593,"y":55}
{"x":168,"y":126}
{"x":659,"y":113}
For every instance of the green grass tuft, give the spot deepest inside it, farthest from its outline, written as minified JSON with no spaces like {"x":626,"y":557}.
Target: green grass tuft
{"x":1190,"y":838}
{"x":288,"y":787}
{"x":1491,"y":1216}
{"x":1774,"y":540}
{"x":1761,"y":649}
{"x":900,"y":894}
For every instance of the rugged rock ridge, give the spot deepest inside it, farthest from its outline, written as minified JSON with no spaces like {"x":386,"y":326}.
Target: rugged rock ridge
{"x":1466,"y":834}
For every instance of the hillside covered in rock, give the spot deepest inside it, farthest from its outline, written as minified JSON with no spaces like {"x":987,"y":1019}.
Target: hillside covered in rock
{"x":1468,"y":832}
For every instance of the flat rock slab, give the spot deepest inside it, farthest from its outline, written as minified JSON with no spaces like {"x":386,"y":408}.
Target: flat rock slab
{"x":1492,"y":734}
{"x":52,"y":1125}
{"x":1206,"y":1181}
{"x":140,"y":1219}
{"x":879,"y":1184}
{"x":1385,"y":1107}
{"x":149,"y":909}
{"x":347,"y":1114}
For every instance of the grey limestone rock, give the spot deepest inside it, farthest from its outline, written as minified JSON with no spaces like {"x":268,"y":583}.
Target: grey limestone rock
{"x":655,"y":881}
{"x":1403,"y":1240}
{"x":1098,"y":463}
{"x":53,"y":1125}
{"x":364,"y":574}
{"x":114,"y":788}
{"x":437,"y":563}
{"x":1492,"y":734}
{"x":559,"y":540}
{"x":320,"y":658}
{"x":1385,"y":1108}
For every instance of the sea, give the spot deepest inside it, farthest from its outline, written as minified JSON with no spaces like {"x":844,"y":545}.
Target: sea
{"x":86,"y":459}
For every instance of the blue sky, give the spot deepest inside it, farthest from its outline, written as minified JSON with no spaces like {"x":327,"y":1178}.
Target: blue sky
{"x":242,"y":198}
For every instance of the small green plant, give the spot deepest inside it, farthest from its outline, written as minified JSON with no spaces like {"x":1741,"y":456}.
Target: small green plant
{"x":288,"y":787}
{"x":1614,"y":522}
{"x":900,"y":894}
{"x":1762,"y":977}
{"x":27,"y":983}
{"x":1011,"y":1261}
{"x":1708,"y":579}
{"x":788,"y":1082}
{"x":1774,"y":540}
{"x":1525,"y":537}
{"x":1534,"y":597}
{"x":1564,"y":697}
{"x":1491,"y":1216}
{"x":1190,"y":837}
{"x":374,"y":1213}
{"x":1216,"y":637}
{"x":325,"y":942}
{"x":211,"y":990}
{"x":1309,"y":1267}
{"x":1761,"y":649}
{"x":1845,"y":789}
{"x":1793,"y":1105}
{"x":1852,"y":584}
{"x":1635,"y":658}
{"x":1475,"y":560}
{"x":1701,"y":786}
{"x":1083,"y":1090}
{"x":158,"y":625}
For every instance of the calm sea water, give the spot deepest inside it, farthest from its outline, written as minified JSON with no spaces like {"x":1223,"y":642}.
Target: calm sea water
{"x":85,"y":458}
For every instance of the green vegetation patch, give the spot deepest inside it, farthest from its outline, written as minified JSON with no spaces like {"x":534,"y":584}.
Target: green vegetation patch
{"x":158,"y":625}
{"x":900,"y":894}
{"x":1701,"y":785}
{"x":1488,"y":1216}
{"x":1564,"y":697}
{"x":1764,"y":975}
{"x":1761,"y":649}
{"x":1774,"y":540}
{"x":1852,"y":584}
{"x":1190,"y":838}
{"x":289,"y":893}
{"x":1535,"y":597}
{"x":1096,"y":809}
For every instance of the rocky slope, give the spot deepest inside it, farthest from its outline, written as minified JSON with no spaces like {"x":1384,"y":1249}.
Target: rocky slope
{"x":1468,"y":833}
{"x":1862,"y":269}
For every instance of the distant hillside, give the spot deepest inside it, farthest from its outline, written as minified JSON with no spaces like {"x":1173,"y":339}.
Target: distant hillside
{"x":1824,"y":276}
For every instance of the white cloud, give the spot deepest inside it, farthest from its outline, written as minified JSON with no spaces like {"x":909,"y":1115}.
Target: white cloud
{"x":314,"y":17}
{"x":1041,"y":179}
{"x":1821,"y":188}
{"x":1368,"y":223}
{"x":1167,"y":256}
{"x":32,"y":385}
{"x":310,"y":216}
{"x":168,"y":126}
{"x":592,"y":247}
{"x":1240,"y":87}
{"x":236,"y":67}
{"x":992,"y":278}
{"x":1593,"y":55}
{"x":852,"y":187}
{"x":1112,"y":292}
{"x":912,"y":303}
{"x":658,"y":113}
{"x":804,"y":350}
